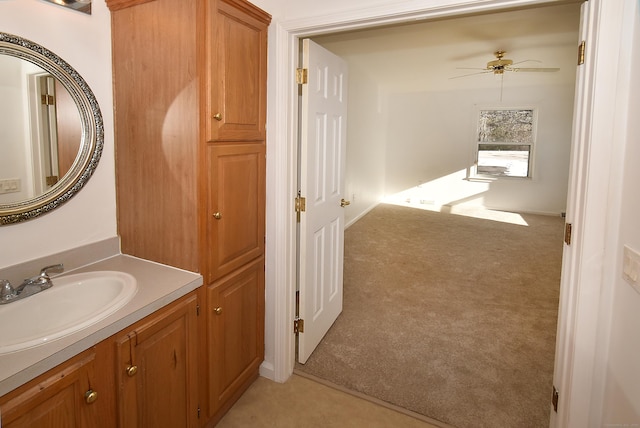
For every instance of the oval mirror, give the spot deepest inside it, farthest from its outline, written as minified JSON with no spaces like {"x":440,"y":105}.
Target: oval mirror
{"x":51,"y":130}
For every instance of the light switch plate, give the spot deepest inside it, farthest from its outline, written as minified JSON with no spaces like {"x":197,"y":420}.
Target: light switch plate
{"x":10,"y":185}
{"x":631,"y":267}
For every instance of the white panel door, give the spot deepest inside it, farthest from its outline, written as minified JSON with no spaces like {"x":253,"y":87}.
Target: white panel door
{"x":322,"y":160}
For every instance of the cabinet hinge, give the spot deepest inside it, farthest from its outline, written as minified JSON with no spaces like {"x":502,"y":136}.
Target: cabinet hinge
{"x":554,"y":399}
{"x":198,"y":412}
{"x":302,"y":76}
{"x":581,"y":48}
{"x":298,"y":325}
{"x":567,"y":233}
{"x":197,"y":310}
{"x":300,"y":206}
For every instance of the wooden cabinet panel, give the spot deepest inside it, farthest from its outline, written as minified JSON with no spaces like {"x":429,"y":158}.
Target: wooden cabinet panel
{"x":58,"y":399}
{"x":236,"y":331}
{"x":162,"y":349}
{"x":236,"y":206}
{"x":238,"y":72}
{"x":157,"y":131}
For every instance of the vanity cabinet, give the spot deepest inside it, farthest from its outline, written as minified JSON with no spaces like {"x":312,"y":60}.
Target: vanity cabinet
{"x":75,"y":394}
{"x":156,"y":360}
{"x":143,"y":376}
{"x":190,"y":118}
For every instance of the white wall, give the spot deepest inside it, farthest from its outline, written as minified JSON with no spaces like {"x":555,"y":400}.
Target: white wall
{"x":13,"y":126}
{"x":431,"y":144}
{"x":84,"y":42}
{"x":622,"y":371}
{"x":366,"y":144}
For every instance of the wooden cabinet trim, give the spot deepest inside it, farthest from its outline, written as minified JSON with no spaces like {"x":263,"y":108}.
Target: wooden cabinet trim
{"x":114,"y":5}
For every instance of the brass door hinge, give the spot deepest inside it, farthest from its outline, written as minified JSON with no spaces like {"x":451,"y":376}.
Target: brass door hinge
{"x":300,"y":206}
{"x":298,"y":325}
{"x":581,"y":48}
{"x":47,"y":100}
{"x":302,"y":76}
{"x":554,"y":399}
{"x":567,"y":233}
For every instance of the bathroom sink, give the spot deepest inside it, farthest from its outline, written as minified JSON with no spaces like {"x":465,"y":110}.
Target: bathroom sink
{"x":72,"y":304}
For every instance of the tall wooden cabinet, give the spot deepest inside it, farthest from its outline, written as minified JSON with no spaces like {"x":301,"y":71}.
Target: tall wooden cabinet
{"x":190,"y":112}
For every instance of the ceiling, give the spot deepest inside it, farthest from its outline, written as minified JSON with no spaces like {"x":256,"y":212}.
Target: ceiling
{"x":426,"y":55}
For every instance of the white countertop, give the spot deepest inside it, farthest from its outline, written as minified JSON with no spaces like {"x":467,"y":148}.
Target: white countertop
{"x":158,"y":285}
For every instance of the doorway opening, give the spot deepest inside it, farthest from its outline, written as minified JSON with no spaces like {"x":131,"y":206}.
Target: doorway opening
{"x":466,"y":198}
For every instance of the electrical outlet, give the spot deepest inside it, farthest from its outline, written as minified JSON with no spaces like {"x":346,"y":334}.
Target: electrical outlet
{"x":9,"y":185}
{"x":631,"y":267}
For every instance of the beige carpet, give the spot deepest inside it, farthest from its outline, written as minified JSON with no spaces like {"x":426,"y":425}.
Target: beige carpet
{"x":304,"y":403}
{"x":449,"y":316}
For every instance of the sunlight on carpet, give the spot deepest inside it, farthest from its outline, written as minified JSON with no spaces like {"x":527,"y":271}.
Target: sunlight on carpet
{"x":467,"y":211}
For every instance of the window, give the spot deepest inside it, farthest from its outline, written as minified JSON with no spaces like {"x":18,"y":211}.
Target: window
{"x":505,"y":140}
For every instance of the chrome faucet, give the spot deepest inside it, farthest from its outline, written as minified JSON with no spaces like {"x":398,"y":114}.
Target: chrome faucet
{"x":29,"y":286}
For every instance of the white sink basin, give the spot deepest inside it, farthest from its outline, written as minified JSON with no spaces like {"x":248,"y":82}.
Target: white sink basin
{"x":73,"y":303}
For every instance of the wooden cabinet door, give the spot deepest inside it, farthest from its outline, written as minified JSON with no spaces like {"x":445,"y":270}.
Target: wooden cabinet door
{"x":61,"y":398}
{"x":157,"y":369}
{"x":236,"y":181}
{"x":237,"y":72}
{"x":236,"y":332}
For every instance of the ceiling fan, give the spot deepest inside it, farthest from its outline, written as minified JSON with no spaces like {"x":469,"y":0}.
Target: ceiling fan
{"x":501,"y":64}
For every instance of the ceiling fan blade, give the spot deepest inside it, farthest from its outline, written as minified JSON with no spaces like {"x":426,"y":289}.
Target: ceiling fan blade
{"x":472,"y":74}
{"x":472,"y":68}
{"x":526,"y":60}
{"x":521,"y":69}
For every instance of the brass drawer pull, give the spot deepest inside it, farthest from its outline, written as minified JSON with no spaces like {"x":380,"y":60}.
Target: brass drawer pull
{"x":132,"y":370}
{"x":217,"y":311}
{"x":90,"y":396}
{"x":217,"y":216}
{"x":217,"y":117}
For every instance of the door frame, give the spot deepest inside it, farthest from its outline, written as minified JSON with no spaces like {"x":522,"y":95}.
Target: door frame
{"x":579,"y":365}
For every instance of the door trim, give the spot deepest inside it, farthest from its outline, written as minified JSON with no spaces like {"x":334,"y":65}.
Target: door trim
{"x":282,"y":174}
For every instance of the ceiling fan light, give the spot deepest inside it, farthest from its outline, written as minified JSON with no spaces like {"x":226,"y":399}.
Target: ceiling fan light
{"x":499,"y":63}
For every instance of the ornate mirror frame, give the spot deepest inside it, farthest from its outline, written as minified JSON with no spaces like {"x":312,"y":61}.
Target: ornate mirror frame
{"x":92,"y":139}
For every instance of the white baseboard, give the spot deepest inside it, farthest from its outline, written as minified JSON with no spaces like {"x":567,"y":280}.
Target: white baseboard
{"x":362,"y":214}
{"x":267,"y":370}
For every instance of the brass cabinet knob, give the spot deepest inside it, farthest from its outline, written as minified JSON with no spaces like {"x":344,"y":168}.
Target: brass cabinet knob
{"x":217,"y":311}
{"x":217,"y":117}
{"x":344,"y":203}
{"x":132,"y":370}
{"x":90,"y":396}
{"x":217,"y":216}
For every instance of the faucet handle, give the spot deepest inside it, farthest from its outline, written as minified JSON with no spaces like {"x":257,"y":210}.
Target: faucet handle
{"x":7,"y":292}
{"x":53,"y":269}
